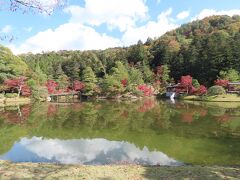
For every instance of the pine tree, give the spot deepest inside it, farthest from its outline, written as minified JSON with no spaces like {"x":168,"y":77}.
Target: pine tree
{"x":89,"y":80}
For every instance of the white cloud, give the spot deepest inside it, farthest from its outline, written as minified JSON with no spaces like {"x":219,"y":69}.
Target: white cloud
{"x":6,"y":29}
{"x":158,"y":1}
{"x":183,"y":15}
{"x":89,"y":151}
{"x":151,"y":29}
{"x":69,"y":36}
{"x":209,"y":12}
{"x":115,"y":13}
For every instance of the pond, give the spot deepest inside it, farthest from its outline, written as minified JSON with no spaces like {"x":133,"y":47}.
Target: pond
{"x":147,"y":131}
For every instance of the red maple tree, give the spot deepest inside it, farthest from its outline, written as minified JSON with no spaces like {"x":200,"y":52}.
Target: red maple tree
{"x":147,"y":90}
{"x":51,"y":86}
{"x":78,"y":85}
{"x":221,"y":82}
{"x":18,"y":84}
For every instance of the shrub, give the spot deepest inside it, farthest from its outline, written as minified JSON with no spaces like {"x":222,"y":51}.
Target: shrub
{"x":11,"y":95}
{"x":216,"y":90}
{"x":195,"y":83}
{"x":40,"y":93}
{"x":221,"y":82}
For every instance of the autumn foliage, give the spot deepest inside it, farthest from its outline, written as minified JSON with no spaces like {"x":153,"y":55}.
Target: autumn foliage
{"x":18,"y":84}
{"x":221,"y":82}
{"x":124,"y":82}
{"x":186,"y":81}
{"x":78,"y":85}
{"x":147,"y":90}
{"x":51,"y":86}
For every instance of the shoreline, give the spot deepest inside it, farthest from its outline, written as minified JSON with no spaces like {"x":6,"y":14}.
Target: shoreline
{"x":5,"y":102}
{"x":9,"y":170}
{"x":217,"y":98}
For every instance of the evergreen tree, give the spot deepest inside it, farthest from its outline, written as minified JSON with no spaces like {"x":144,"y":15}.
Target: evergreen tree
{"x":89,"y":79}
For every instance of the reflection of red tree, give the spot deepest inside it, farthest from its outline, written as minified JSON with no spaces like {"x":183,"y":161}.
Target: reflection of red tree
{"x":25,"y":110}
{"x":203,"y":112}
{"x":125,"y":114}
{"x":99,"y":106}
{"x":18,"y":116}
{"x":187,"y":117}
{"x":77,"y":106}
{"x":12,"y":117}
{"x":224,"y":118}
{"x":52,"y":110}
{"x":148,"y":104}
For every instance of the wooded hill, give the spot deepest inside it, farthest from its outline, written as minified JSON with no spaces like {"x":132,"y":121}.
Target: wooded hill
{"x":201,"y":49}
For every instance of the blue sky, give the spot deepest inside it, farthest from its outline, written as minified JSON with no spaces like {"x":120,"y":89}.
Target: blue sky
{"x":99,"y":24}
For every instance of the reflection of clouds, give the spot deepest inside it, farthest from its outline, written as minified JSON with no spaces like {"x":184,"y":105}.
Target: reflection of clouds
{"x":93,"y":151}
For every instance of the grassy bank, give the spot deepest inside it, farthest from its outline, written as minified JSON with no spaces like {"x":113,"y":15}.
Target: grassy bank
{"x":50,"y":171}
{"x":217,"y":98}
{"x":14,"y":101}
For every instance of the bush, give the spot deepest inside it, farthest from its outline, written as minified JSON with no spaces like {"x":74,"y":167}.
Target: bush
{"x":216,"y":90}
{"x":11,"y":95}
{"x":40,"y":93}
{"x":195,"y":83}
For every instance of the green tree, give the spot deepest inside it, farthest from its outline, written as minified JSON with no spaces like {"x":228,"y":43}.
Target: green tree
{"x":120,"y":71}
{"x":231,"y":75}
{"x":90,"y":80}
{"x":40,"y":76}
{"x":195,"y":83}
{"x":135,"y":78}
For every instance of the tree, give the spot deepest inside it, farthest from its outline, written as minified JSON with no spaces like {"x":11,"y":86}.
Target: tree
{"x":40,"y":76}
{"x":162,"y":74}
{"x":112,"y":85}
{"x":51,"y":86}
{"x":89,"y":80}
{"x":186,"y":81}
{"x":120,"y":71}
{"x":78,"y":85}
{"x":221,"y":82}
{"x":195,"y":83}
{"x":135,"y":77}
{"x":230,"y":75}
{"x":30,"y":5}
{"x":10,"y":65}
{"x":18,"y":84}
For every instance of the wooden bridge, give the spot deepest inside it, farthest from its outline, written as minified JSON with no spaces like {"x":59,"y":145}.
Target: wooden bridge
{"x":67,"y":96}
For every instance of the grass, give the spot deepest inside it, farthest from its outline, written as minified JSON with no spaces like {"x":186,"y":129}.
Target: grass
{"x":52,"y":171}
{"x":217,"y":98}
{"x":14,"y":101}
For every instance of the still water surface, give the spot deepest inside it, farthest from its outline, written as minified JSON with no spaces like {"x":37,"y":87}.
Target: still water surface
{"x":147,"y":131}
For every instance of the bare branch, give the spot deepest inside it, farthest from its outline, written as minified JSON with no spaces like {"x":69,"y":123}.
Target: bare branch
{"x":42,"y":6}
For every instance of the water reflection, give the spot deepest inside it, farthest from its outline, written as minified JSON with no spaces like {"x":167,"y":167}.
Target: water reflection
{"x":191,"y":132}
{"x":84,"y":151}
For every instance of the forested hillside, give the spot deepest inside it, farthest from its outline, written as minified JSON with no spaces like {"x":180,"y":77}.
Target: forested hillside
{"x":201,"y":49}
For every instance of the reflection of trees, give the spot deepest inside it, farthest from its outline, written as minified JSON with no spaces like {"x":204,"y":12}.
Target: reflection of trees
{"x":123,"y":116}
{"x":148,"y":104}
{"x":89,"y":114}
{"x":17,"y":114}
{"x":217,"y":111}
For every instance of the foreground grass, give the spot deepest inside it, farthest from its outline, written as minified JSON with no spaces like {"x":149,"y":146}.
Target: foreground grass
{"x":52,"y":171}
{"x":218,"y":98}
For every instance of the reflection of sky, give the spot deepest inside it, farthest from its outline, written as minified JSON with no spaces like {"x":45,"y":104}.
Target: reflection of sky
{"x":83,"y":151}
